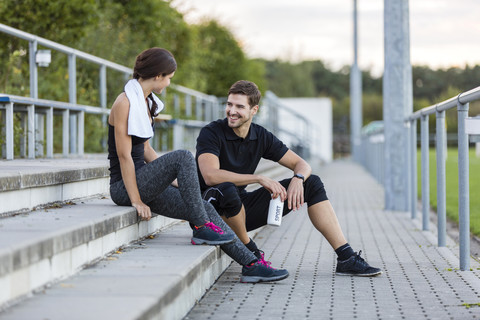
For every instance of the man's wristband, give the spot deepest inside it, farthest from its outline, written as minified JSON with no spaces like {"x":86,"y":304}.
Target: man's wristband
{"x":299,"y":176}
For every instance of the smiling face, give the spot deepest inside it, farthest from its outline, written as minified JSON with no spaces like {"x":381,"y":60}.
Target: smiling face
{"x":239,"y":114}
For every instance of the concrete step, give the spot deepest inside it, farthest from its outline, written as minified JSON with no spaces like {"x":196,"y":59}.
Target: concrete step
{"x":44,"y":248}
{"x":26,"y":184}
{"x":41,"y":182}
{"x":40,"y":247}
{"x":159,"y":278}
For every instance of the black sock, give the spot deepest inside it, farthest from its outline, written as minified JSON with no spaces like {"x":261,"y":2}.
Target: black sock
{"x":344,"y":252}
{"x":252,"y":246}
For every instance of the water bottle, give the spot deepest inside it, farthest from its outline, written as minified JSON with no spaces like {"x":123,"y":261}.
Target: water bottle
{"x":275,"y":212}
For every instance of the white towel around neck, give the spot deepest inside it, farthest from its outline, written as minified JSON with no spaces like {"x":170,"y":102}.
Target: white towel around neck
{"x":138,"y":117}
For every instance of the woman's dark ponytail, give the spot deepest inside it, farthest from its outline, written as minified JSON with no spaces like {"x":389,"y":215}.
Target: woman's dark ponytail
{"x":154,"y":109}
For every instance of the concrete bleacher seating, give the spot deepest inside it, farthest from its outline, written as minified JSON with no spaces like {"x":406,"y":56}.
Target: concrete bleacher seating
{"x":80,"y":237}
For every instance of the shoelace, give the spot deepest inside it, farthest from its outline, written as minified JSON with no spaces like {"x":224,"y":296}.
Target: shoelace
{"x":263,"y":261}
{"x":214,"y":227}
{"x":359,"y":259}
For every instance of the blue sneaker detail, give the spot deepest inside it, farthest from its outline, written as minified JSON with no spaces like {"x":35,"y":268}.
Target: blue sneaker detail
{"x":211,"y":234}
{"x":262,"y":272}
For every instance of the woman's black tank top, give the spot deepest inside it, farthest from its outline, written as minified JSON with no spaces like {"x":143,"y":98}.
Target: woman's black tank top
{"x":137,"y":154}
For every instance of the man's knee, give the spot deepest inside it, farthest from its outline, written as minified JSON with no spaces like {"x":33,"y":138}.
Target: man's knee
{"x":314,"y":190}
{"x":225,"y":198}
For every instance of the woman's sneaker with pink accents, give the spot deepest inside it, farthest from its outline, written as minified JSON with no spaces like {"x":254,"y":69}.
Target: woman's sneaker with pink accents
{"x":262,"y":272}
{"x":211,"y":234}
{"x":261,"y":257}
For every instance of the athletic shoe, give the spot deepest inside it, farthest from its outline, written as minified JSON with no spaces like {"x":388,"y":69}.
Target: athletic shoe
{"x":356,"y":266}
{"x":211,"y":234}
{"x":261,"y":257}
{"x":259,"y":272}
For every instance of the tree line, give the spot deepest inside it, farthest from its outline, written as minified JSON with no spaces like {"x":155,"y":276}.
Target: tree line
{"x":209,"y":58}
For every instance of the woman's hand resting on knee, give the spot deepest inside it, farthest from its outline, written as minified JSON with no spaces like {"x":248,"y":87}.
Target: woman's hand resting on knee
{"x":143,"y":210}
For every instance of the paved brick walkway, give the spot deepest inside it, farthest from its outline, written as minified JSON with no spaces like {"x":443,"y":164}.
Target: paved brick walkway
{"x":420,"y":280}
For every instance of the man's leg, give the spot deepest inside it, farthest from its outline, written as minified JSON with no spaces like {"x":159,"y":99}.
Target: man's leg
{"x":325,"y":220}
{"x":323,"y":217}
{"x":226,"y":200}
{"x":237,"y":224}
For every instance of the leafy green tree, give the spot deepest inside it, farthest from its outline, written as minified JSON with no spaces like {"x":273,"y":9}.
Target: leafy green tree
{"x":220,"y":60}
{"x":62,"y":21}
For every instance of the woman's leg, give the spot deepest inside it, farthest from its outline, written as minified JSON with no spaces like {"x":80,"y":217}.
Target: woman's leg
{"x":170,"y":204}
{"x":154,"y":177}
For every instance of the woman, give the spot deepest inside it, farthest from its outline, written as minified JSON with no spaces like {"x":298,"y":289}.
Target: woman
{"x":167,"y":185}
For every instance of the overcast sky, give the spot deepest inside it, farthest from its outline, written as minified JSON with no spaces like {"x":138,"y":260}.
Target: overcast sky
{"x":443,"y":33}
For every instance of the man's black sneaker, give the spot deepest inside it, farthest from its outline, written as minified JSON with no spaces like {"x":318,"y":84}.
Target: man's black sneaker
{"x":356,"y":266}
{"x":211,"y":234}
{"x":260,"y":272}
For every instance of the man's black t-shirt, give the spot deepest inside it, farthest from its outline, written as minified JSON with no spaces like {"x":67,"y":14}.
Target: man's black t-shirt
{"x":237,"y":154}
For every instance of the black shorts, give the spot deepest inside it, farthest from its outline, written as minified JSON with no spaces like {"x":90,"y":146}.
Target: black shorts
{"x":228,"y":199}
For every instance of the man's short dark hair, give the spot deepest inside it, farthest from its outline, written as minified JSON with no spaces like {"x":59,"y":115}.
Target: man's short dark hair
{"x":247,"y":88}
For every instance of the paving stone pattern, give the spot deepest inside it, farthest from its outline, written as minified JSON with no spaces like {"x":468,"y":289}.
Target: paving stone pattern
{"x":419,"y":280}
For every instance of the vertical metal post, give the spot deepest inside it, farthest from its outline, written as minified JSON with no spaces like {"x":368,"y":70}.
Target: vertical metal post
{"x":103,"y":86}
{"x":39,"y":118}
{"x":408,"y":167}
{"x":209,"y":111}
{"x":177,"y":135}
{"x":50,"y":132}
{"x":81,"y":132}
{"x":198,"y":108}
{"x":355,"y":93}
{"x":73,"y":133}
{"x":441,"y":180}
{"x":65,"y":132}
{"x":31,"y":131}
{"x":176,"y":105}
{"x":33,"y":69}
{"x":9,"y":130}
{"x":72,"y":98}
{"x":425,"y":173}
{"x":463,"y":188}
{"x":103,"y":101}
{"x":39,"y":134}
{"x":3,"y":132}
{"x":413,"y":179}
{"x":397,"y":104}
{"x":23,"y":137}
{"x":165,"y":139}
{"x":188,"y":105}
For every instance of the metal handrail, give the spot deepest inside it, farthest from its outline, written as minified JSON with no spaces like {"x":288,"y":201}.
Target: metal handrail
{"x":207,"y":107}
{"x":461,"y":102}
{"x":5,"y":98}
{"x":451,"y":103}
{"x":64,"y":49}
{"x":373,"y":160}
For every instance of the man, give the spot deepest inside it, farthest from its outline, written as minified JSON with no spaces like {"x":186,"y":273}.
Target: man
{"x":228,"y":152}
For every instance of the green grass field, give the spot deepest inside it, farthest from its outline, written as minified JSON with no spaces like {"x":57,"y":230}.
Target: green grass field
{"x":452,"y":186}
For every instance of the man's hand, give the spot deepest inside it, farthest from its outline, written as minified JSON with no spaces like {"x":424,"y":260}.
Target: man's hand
{"x":143,"y":210}
{"x":274,"y":187}
{"x":295,"y":194}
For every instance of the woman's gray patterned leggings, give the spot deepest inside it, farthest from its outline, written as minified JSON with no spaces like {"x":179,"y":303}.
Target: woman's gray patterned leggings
{"x":154,"y":184}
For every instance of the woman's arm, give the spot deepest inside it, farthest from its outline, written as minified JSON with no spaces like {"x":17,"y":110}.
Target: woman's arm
{"x":149,"y":153}
{"x":123,"y":143}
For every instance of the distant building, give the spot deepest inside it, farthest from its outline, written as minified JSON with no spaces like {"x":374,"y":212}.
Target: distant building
{"x":319,"y":112}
